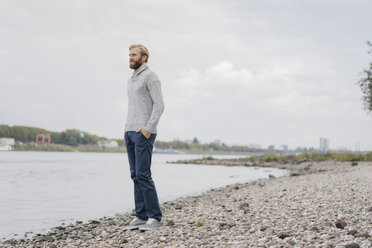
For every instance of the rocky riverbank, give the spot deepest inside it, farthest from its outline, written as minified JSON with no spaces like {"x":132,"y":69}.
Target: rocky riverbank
{"x":327,"y":205}
{"x":296,"y":165}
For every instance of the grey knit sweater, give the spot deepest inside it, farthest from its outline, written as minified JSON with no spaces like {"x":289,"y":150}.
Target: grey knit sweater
{"x":145,"y":100}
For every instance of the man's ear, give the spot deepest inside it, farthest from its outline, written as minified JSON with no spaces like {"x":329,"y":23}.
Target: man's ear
{"x":144,"y":57}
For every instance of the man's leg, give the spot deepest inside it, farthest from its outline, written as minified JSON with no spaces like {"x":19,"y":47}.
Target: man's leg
{"x":130,"y":138}
{"x":143,"y":154}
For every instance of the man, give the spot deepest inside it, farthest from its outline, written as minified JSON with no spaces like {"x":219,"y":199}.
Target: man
{"x":145,"y":106}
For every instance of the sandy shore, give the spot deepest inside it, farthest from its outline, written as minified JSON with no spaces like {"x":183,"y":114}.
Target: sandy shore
{"x":328,"y":204}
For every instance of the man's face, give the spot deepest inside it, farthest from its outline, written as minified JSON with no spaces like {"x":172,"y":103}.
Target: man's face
{"x":135,"y":58}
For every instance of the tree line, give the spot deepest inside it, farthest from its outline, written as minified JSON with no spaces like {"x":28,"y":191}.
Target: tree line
{"x":74,"y":137}
{"x":71,"y":137}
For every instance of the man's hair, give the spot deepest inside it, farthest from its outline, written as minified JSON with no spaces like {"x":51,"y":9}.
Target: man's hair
{"x":143,"y":50}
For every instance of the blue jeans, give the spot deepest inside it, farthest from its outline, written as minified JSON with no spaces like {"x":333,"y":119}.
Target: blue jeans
{"x":139,"y":150}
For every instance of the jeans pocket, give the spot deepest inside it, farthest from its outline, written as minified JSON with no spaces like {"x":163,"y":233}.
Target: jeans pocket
{"x":144,"y":135}
{"x":140,"y":135}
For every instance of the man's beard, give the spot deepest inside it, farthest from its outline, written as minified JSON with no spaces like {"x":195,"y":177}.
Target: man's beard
{"x":136,"y":65}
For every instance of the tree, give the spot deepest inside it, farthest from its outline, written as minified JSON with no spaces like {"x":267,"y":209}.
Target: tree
{"x":365,"y":84}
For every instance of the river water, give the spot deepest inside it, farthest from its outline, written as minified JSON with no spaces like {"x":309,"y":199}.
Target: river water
{"x":39,"y":190}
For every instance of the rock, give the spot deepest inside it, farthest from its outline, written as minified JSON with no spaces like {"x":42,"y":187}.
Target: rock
{"x":271,"y":176}
{"x":263,"y":228}
{"x":170,"y":223}
{"x":47,"y":238}
{"x":340,"y":223}
{"x":292,"y":243}
{"x":314,"y":228}
{"x":354,"y":163}
{"x":283,"y":235}
{"x":123,"y":240}
{"x":52,"y":246}
{"x":163,"y":239}
{"x":352,"y":245}
{"x":178,"y":207}
{"x":95,"y":222}
{"x":352,"y":232}
{"x":223,"y":224}
{"x":330,"y":245}
{"x":364,"y":235}
{"x":301,"y":161}
{"x":244,"y":206}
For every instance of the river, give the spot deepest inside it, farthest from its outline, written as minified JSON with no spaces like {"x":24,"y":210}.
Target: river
{"x":39,"y":190}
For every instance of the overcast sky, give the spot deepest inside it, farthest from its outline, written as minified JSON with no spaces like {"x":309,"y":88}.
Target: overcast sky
{"x":262,"y":72}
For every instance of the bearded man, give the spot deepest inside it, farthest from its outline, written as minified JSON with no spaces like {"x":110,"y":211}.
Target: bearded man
{"x":145,"y":106}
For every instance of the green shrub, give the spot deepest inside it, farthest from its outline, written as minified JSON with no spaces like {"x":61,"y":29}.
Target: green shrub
{"x":208,"y":158}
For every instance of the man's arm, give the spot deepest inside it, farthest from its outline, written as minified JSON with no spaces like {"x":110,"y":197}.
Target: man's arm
{"x":154,"y":87}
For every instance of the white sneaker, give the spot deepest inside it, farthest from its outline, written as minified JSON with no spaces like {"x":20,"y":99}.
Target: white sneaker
{"x":151,"y":224}
{"x":135,"y":224}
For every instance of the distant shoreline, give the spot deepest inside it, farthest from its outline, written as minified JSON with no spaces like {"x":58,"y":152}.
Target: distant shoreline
{"x":65,"y":148}
{"x":120,"y":149}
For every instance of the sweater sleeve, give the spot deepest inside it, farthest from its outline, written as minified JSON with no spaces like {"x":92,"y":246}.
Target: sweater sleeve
{"x":154,"y":87}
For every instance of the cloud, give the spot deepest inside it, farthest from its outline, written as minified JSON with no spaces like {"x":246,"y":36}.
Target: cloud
{"x":241,"y":71}
{"x":238,"y":105}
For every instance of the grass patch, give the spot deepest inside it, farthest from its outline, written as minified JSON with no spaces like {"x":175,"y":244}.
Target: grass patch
{"x":311,"y":157}
{"x":199,"y":223}
{"x":208,"y":158}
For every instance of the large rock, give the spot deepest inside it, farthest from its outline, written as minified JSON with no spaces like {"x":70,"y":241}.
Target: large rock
{"x":340,"y":223}
{"x":352,"y":245}
{"x":283,"y":235}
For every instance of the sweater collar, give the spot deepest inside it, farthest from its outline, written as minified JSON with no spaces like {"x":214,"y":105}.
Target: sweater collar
{"x":140,"y":70}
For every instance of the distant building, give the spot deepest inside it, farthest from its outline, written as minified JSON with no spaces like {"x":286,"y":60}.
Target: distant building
{"x":271,"y":148}
{"x":324,"y":145}
{"x":6,"y":144}
{"x":284,"y":148}
{"x":217,"y":141}
{"x":301,"y":149}
{"x":107,"y":143}
{"x":43,"y":139}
